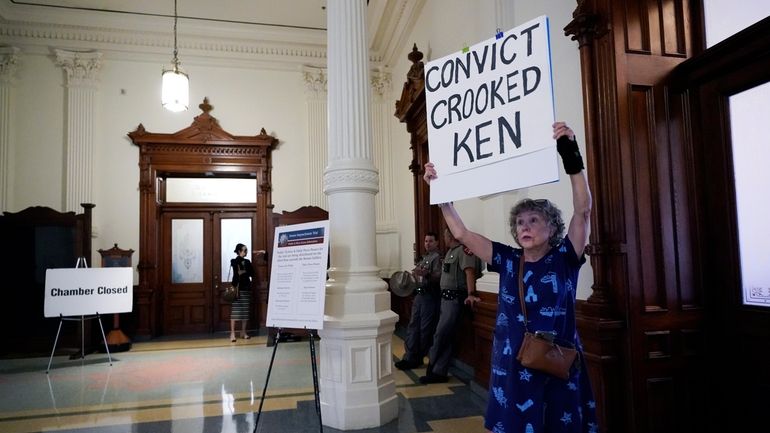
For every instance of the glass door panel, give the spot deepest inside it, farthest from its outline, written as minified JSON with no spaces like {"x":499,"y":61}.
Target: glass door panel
{"x":186,"y":251}
{"x":233,"y":231}
{"x":749,"y":112}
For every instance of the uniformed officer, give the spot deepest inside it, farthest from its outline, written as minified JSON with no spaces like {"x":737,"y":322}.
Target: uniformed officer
{"x":458,"y":285}
{"x":425,"y":308}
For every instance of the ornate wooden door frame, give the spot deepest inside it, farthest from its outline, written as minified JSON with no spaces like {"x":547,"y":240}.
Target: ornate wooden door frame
{"x":200,"y":149}
{"x":410,"y":109}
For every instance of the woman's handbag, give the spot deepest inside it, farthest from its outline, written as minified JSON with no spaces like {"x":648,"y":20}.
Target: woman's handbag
{"x":537,"y":350}
{"x":231,"y":292}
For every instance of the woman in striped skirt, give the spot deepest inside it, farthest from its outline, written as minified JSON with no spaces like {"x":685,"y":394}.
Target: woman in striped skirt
{"x":243,"y":272}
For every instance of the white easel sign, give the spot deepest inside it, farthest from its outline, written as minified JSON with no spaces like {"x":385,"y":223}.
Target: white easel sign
{"x":83,"y":291}
{"x":489,"y":114}
{"x":298,"y":276}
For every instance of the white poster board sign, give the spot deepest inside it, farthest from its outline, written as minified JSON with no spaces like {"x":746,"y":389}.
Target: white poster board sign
{"x":298,"y":276}
{"x":490,"y":112}
{"x":83,"y":291}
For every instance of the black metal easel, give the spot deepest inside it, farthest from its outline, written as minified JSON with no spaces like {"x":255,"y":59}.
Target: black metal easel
{"x":312,"y":333}
{"x":81,"y":319}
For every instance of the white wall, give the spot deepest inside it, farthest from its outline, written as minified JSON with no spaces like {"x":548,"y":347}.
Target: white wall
{"x":724,"y":19}
{"x":244,"y":100}
{"x":38,"y":154}
{"x":443,"y":27}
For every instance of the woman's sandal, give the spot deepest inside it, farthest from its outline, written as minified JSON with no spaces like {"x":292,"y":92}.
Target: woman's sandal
{"x":232,"y":338}
{"x":246,"y":337}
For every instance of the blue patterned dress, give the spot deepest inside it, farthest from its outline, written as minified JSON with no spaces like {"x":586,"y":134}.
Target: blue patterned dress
{"x":523,"y":400}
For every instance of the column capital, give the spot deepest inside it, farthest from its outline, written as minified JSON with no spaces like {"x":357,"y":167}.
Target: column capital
{"x":315,"y":80}
{"x":381,"y":83}
{"x":81,"y":67}
{"x":9,"y":61}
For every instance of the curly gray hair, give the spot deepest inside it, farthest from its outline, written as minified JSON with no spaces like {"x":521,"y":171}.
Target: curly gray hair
{"x":544,"y":207}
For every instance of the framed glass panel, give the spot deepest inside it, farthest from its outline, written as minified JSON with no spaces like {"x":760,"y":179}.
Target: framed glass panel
{"x":210,"y":190}
{"x":749,"y":111}
{"x":186,"y":251}
{"x":233,"y":231}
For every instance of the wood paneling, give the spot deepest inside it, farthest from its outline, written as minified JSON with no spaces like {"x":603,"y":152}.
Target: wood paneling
{"x":484,"y":320}
{"x":34,"y":240}
{"x":642,"y":241}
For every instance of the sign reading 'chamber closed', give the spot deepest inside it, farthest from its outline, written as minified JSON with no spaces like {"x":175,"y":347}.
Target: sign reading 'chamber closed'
{"x":82,"y":291}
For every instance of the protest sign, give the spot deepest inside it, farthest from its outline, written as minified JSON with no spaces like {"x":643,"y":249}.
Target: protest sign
{"x":489,"y":115}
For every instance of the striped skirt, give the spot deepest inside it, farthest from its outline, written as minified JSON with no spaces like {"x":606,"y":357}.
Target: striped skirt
{"x":241,"y":307}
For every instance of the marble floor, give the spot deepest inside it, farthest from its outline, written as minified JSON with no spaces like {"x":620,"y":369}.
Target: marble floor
{"x":206,"y":385}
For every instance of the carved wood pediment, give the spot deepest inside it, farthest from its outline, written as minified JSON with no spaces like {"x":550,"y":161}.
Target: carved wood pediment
{"x":205,"y":129}
{"x":414,"y":86}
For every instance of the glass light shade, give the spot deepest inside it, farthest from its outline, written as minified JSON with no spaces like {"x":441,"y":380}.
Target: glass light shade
{"x":175,"y":90}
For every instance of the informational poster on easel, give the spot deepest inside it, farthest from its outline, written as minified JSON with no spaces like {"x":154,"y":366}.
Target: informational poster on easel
{"x":298,"y":276}
{"x":490,"y":111}
{"x":298,"y":291}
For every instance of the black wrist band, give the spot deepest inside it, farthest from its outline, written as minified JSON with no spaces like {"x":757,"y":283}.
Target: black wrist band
{"x":570,"y":155}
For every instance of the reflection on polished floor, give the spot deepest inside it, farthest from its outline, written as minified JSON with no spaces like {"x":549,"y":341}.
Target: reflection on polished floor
{"x":205,"y":385}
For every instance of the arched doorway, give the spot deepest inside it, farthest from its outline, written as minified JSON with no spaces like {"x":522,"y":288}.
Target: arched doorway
{"x":201,"y":188}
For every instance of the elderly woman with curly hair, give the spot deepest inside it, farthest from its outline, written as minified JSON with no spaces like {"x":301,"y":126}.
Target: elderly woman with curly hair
{"x":525,"y":400}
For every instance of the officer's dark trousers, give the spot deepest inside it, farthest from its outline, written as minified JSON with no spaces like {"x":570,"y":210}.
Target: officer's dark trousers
{"x":422,"y":325}
{"x":441,"y":351}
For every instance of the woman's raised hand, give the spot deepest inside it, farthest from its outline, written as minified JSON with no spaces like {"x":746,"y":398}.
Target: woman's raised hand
{"x":430,"y":173}
{"x":560,"y":129}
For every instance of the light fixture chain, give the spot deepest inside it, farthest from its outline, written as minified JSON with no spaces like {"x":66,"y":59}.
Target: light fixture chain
{"x":176,"y":51}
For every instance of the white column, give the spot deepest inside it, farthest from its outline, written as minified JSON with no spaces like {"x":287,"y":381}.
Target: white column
{"x":388,"y":250}
{"x":357,"y":386}
{"x":315,"y":91}
{"x":81,"y":69}
{"x":9,"y":57}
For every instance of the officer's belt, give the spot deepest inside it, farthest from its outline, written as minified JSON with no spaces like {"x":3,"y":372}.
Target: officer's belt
{"x":424,"y":290}
{"x":452,"y":294}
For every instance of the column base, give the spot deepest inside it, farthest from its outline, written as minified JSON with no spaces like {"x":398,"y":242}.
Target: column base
{"x":357,"y":389}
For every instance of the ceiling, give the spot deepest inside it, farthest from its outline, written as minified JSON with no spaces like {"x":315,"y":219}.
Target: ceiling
{"x":307,"y":14}
{"x":275,"y":33}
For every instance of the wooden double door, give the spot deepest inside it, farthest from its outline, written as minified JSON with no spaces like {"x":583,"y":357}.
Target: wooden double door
{"x":197,"y":246}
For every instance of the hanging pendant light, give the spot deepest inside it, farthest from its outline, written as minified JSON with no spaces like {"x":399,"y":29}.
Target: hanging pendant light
{"x":175,"y":86}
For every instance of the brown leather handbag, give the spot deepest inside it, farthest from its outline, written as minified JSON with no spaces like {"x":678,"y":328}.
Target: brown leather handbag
{"x":537,"y":351}
{"x":231,"y":292}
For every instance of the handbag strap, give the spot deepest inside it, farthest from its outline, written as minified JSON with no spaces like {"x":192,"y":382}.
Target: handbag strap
{"x":521,"y":290}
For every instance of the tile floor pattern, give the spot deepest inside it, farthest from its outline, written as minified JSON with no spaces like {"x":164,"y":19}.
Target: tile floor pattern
{"x":208,"y":386}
